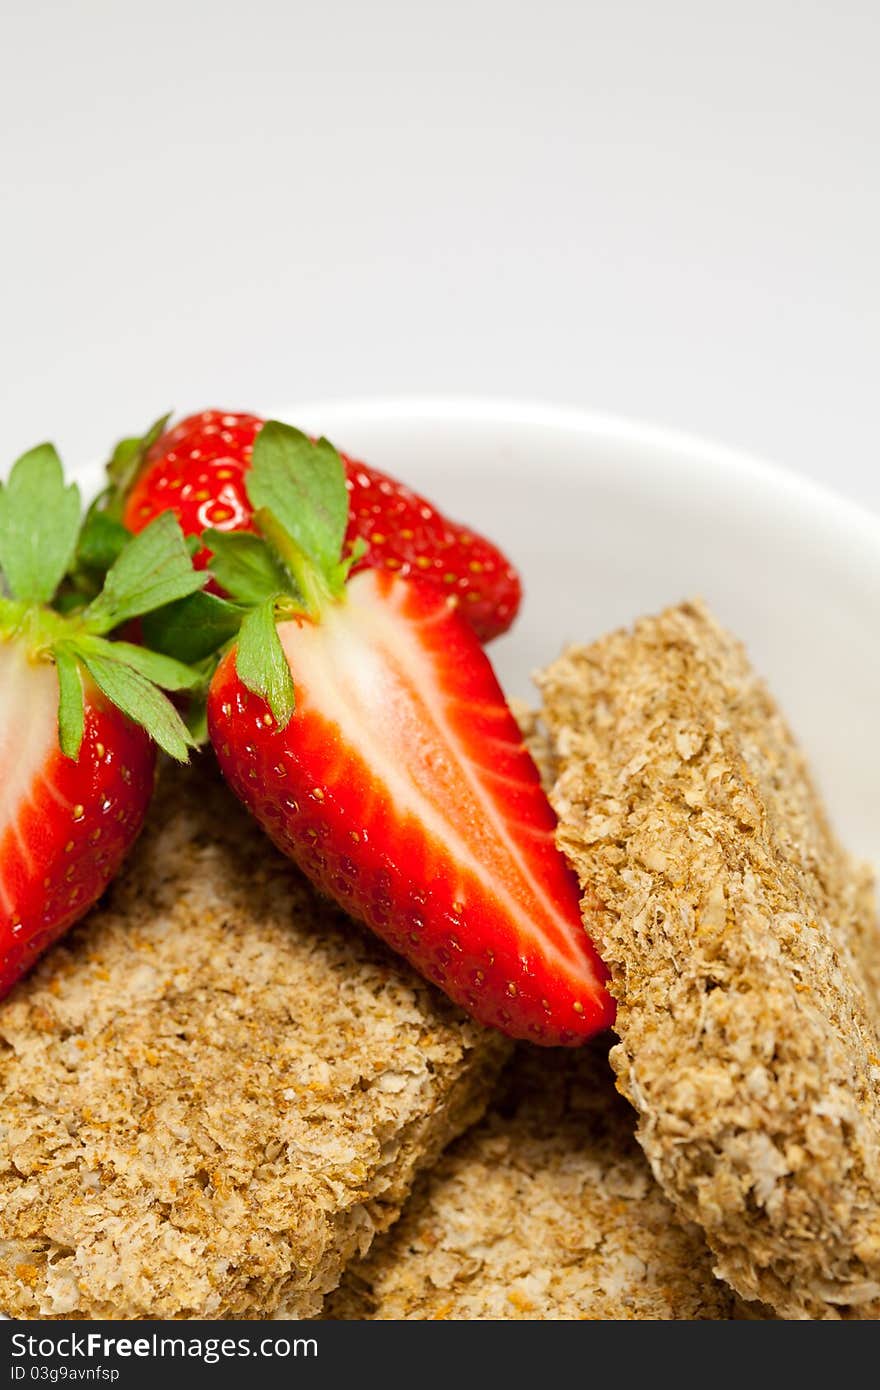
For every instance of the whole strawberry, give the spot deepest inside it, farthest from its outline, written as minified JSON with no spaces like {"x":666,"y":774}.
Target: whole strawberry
{"x":81,"y":714}
{"x":198,"y":470}
{"x":361,"y":722}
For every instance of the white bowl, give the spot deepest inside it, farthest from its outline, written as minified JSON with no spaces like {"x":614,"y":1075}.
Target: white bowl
{"x":607,"y":520}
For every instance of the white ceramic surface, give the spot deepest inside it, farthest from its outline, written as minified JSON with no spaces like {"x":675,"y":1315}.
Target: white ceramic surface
{"x":608,"y":520}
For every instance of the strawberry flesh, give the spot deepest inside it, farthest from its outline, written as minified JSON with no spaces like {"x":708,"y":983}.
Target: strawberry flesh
{"x":65,"y":826}
{"x":402,"y":788}
{"x":199,"y":468}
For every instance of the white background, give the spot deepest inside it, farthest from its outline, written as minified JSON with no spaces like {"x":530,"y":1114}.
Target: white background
{"x":668,"y":210}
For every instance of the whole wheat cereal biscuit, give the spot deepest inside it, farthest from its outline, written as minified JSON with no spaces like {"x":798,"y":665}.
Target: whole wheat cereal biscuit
{"x":217,"y":1089}
{"x":743,"y":945}
{"x":547,"y":1209}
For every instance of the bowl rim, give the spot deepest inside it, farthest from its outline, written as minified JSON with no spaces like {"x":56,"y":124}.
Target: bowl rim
{"x":663,"y":441}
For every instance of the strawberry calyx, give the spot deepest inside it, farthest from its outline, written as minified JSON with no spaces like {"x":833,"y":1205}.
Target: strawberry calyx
{"x":64,"y":602}
{"x":297,"y":488}
{"x":293,"y":565}
{"x":37,"y":627}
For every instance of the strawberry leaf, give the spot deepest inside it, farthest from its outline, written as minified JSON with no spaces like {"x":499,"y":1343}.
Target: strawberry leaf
{"x":101,"y":541}
{"x":303,"y":486}
{"x":39,"y":528}
{"x":141,"y":701}
{"x":193,"y":628}
{"x":162,"y":670}
{"x":244,"y":566}
{"x":261,"y":663}
{"x":357,"y":552}
{"x":153,"y":569}
{"x":71,"y":702}
{"x":125,"y":464}
{"x":39,"y":524}
{"x":196,"y":720}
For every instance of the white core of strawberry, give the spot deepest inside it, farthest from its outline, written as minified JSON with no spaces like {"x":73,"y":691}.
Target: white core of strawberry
{"x":361,"y":667}
{"x":28,"y":731}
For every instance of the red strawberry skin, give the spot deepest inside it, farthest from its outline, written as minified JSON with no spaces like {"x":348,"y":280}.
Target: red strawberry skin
{"x":65,"y":826}
{"x":197,"y":469}
{"x":402,"y":788}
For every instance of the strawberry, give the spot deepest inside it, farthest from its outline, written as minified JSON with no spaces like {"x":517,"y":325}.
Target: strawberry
{"x":198,"y":469}
{"x":362,"y":724}
{"x":80,"y":713}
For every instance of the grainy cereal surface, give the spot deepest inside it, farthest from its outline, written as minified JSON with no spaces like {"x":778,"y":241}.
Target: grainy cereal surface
{"x":743,"y":945}
{"x":217,"y":1090}
{"x":547,"y":1209}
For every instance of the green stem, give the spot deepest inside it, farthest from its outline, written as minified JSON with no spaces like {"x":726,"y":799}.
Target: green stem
{"x":313,"y":587}
{"x":37,"y":626}
{"x":11,"y":615}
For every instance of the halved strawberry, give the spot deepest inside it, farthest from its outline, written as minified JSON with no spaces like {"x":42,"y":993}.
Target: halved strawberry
{"x":198,"y":470}
{"x":65,"y":825}
{"x":397,"y":776}
{"x":78,"y":712}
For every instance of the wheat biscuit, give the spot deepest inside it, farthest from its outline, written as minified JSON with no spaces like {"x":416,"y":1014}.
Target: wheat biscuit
{"x":545,"y":1210}
{"x":217,"y":1089}
{"x":743,"y":945}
